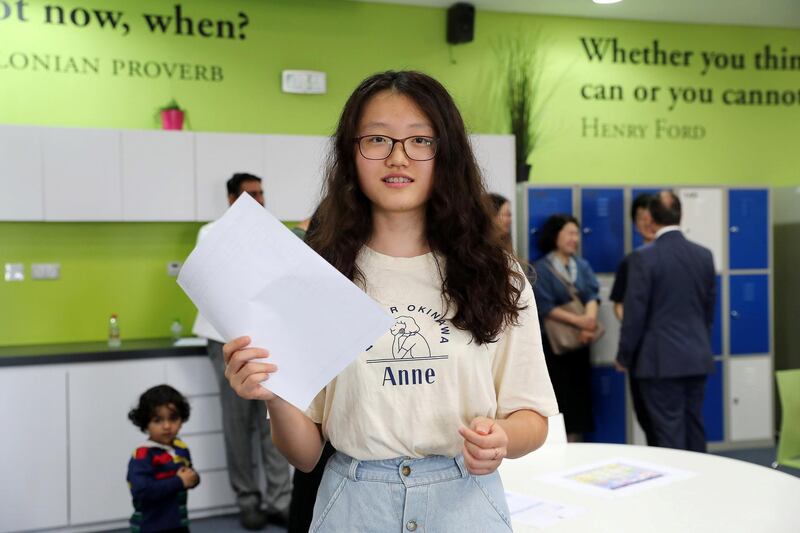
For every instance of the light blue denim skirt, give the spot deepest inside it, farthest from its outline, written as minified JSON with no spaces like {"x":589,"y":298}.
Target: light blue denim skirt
{"x":432,"y":495}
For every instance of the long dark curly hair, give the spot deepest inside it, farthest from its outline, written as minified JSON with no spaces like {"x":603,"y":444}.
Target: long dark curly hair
{"x":479,"y":280}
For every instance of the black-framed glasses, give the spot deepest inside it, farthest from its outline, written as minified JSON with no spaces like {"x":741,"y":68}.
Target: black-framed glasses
{"x":416,"y":147}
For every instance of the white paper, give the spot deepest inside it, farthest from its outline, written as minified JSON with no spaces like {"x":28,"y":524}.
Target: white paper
{"x":537,"y":512}
{"x":252,"y":276}
{"x":616,"y":477}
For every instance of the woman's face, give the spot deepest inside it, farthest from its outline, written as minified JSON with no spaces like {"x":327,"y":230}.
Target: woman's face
{"x":503,"y":218}
{"x":568,"y":239}
{"x":396,"y":184}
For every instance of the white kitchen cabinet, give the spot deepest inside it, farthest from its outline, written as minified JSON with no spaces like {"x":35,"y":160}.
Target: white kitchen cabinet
{"x":217,"y":157}
{"x":750,"y":398}
{"x":157,"y":175}
{"x":207,"y":449}
{"x":33,"y":469}
{"x":82,"y":178}
{"x":293,"y":179}
{"x":206,"y":415}
{"x":214,"y":491}
{"x":701,"y":219}
{"x":70,"y":444}
{"x":102,"y":438}
{"x":78,"y":174}
{"x":192,"y":375}
{"x":21,"y":180}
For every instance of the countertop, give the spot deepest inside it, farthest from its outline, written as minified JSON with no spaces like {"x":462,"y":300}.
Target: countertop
{"x":81,"y":352}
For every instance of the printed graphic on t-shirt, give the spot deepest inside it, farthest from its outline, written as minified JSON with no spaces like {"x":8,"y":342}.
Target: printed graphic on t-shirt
{"x":418,"y":335}
{"x":408,"y":342}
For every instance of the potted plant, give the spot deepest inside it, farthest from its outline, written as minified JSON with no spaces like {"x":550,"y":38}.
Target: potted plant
{"x":172,"y":116}
{"x":519,"y":75}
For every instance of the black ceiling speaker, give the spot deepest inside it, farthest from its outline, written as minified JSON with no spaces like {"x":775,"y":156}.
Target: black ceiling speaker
{"x":460,"y":23}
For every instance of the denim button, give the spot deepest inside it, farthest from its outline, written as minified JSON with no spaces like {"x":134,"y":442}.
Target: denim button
{"x":411,"y":525}
{"x":406,"y":470}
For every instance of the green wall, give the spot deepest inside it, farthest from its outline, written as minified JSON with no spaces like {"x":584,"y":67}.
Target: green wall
{"x":122,"y":267}
{"x":105,"y":268}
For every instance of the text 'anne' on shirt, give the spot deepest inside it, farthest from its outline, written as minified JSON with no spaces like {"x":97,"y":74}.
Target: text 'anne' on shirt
{"x":407,"y":395}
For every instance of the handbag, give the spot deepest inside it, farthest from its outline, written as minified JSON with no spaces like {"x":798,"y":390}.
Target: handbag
{"x":566,"y":337}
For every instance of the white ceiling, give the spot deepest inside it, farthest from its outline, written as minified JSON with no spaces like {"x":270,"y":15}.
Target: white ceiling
{"x":777,"y":13}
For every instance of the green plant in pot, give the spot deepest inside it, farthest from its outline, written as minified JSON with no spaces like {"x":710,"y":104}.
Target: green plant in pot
{"x":517,"y":58}
{"x":172,"y":116}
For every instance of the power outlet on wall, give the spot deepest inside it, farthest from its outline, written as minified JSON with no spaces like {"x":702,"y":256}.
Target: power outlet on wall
{"x":15,"y":272}
{"x":45,"y":270}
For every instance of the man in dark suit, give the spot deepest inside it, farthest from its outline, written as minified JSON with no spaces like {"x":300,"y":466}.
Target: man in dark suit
{"x":665,"y":340}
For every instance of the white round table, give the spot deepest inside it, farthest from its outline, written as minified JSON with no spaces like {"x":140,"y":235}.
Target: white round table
{"x":725,"y":495}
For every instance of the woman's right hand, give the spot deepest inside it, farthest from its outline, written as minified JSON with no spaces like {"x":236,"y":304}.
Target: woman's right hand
{"x":586,"y":323}
{"x":243,"y":374}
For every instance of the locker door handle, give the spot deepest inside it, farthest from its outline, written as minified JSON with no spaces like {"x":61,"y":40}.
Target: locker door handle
{"x":734,"y":314}
{"x":533,"y":231}
{"x":734,"y":229}
{"x":587,"y":230}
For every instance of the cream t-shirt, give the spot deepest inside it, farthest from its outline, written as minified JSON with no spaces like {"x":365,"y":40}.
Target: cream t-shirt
{"x":408,"y":394}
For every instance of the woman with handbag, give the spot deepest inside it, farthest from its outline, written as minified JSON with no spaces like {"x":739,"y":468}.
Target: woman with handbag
{"x":567,"y":295}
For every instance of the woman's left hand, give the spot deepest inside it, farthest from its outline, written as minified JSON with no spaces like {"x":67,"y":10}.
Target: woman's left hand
{"x":485,"y":445}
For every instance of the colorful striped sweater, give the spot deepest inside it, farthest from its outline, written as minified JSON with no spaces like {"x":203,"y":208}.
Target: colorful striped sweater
{"x":159,"y":498}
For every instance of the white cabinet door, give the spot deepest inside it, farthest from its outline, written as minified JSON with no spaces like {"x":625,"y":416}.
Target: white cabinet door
{"x":750,"y":398}
{"x":217,"y":157}
{"x":81,"y":174}
{"x":192,"y":375}
{"x":21,"y":173}
{"x":157,"y":175}
{"x":102,"y":438}
{"x":208,"y":451}
{"x":293,"y":176}
{"x":205,"y":416}
{"x":213,"y":492}
{"x":33,"y":468}
{"x":701,"y":220}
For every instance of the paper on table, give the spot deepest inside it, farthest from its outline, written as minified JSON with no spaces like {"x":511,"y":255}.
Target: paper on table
{"x":251,"y":276}
{"x":538,"y":512}
{"x":616,"y":477}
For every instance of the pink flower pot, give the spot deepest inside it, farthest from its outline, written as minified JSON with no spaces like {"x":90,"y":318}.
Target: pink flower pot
{"x":172,"y":119}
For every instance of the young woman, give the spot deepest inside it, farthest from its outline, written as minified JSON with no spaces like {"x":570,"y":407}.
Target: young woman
{"x":419,"y":438}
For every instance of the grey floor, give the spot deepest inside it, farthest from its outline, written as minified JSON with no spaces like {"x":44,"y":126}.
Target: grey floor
{"x":230,"y":524}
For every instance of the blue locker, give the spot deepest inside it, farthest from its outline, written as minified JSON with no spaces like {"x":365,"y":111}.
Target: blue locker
{"x":542,"y":203}
{"x":749,"y":331}
{"x":608,"y":404}
{"x":716,"y":327}
{"x":637,"y":239}
{"x":748,"y":228}
{"x":603,"y":222}
{"x":713,"y":417}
